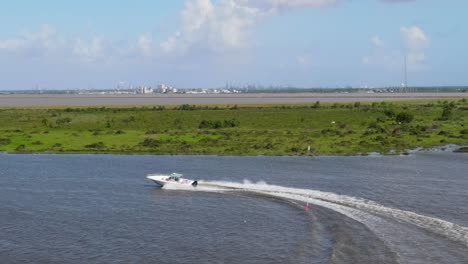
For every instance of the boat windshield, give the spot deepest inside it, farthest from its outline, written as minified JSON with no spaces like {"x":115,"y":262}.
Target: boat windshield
{"x":175,"y":177}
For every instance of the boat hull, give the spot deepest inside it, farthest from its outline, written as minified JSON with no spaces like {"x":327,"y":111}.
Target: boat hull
{"x":163,"y":180}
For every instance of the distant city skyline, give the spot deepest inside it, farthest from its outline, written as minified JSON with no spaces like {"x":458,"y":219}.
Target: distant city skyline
{"x":207,"y":43}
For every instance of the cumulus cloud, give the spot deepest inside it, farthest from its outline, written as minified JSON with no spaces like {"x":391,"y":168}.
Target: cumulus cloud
{"x":227,"y":24}
{"x":215,"y":25}
{"x":38,"y":43}
{"x":48,"y":42}
{"x":89,"y":49}
{"x":416,"y":43}
{"x":145,"y":44}
{"x":414,"y":37}
{"x":218,"y":26}
{"x":287,"y":4}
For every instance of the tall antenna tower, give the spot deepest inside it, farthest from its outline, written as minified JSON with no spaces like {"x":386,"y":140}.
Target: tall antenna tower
{"x":406,"y":73}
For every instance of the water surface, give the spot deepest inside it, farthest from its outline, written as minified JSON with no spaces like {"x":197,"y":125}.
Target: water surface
{"x":101,"y":209}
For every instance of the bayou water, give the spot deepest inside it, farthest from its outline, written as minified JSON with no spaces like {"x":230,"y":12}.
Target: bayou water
{"x":101,"y":209}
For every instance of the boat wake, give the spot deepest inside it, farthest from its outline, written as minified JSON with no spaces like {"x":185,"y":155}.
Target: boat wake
{"x":405,"y":233}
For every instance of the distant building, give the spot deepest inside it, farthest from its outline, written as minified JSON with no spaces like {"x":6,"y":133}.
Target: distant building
{"x":163,"y":88}
{"x":144,"y":90}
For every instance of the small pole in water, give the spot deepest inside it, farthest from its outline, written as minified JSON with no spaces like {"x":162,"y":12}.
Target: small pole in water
{"x":307,"y":207}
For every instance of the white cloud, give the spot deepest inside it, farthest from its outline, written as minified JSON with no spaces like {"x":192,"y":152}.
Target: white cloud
{"x":414,"y":37}
{"x":89,"y":50}
{"x":145,"y":44}
{"x":197,"y":13}
{"x":227,"y":24}
{"x":288,"y":4}
{"x":47,"y":42}
{"x":39,"y":43}
{"x":416,"y":43}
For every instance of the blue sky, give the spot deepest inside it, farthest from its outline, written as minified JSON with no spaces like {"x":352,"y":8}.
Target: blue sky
{"x":206,"y":43}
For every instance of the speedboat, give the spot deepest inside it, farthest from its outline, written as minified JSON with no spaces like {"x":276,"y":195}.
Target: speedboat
{"x":174,"y":178}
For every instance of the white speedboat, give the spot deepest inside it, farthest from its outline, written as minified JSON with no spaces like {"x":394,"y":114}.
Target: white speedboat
{"x":174,"y":178}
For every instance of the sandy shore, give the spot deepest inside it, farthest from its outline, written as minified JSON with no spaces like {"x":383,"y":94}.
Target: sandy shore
{"x":178,"y":99}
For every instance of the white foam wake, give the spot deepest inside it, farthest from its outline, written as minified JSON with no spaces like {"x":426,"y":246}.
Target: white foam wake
{"x":358,"y":209}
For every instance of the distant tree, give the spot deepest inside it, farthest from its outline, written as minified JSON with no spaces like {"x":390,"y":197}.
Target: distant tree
{"x":389,"y":113}
{"x":404,"y":117}
{"x":446,"y":113}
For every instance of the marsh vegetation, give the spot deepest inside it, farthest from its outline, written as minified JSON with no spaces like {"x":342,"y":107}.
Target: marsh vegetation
{"x":313,"y":129}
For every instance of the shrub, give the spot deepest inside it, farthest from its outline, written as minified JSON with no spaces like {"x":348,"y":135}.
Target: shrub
{"x":63,"y":121}
{"x":20,"y":148}
{"x":151,"y":132}
{"x":98,"y":145}
{"x":227,"y":123}
{"x":389,"y":113}
{"x":404,"y":117}
{"x":446,"y":113}
{"x":4,"y":141}
{"x":231,"y":123}
{"x":129,"y":119}
{"x":159,"y":108}
{"x":187,"y":107}
{"x":150,"y":143}
{"x":443,"y":133}
{"x":295,"y":149}
{"x":316,"y":105}
{"x":45,"y":122}
{"x":382,"y":140}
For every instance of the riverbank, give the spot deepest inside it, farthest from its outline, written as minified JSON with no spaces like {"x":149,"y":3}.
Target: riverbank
{"x":306,"y":129}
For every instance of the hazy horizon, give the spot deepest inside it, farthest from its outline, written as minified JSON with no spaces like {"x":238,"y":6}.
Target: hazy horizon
{"x":208,"y":43}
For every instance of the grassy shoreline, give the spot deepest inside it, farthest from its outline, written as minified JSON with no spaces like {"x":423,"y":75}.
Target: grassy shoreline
{"x":329,"y":129}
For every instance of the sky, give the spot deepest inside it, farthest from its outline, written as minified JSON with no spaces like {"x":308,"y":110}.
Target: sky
{"x":53,"y":44}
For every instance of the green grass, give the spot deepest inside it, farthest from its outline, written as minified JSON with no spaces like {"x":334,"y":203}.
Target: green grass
{"x":330,"y":129}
